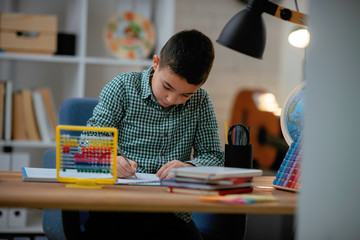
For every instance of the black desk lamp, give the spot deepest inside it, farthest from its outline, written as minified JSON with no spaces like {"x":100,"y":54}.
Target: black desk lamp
{"x":246,"y":32}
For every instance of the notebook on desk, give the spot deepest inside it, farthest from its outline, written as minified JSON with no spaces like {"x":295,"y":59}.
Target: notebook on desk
{"x":49,"y":175}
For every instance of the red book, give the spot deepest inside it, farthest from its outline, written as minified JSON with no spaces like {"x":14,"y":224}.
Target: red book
{"x":209,"y":192}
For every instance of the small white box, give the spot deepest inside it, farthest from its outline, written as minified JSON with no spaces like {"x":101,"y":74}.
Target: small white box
{"x":5,"y":161}
{"x":17,"y":217}
{"x":4,"y":214}
{"x":19,"y":160}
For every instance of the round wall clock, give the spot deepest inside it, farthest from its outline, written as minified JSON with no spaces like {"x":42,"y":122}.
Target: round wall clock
{"x":129,"y":35}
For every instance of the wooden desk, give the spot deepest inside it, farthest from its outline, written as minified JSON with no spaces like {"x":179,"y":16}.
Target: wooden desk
{"x":15,"y":193}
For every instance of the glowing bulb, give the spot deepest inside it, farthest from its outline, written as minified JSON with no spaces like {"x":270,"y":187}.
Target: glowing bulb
{"x":299,"y":38}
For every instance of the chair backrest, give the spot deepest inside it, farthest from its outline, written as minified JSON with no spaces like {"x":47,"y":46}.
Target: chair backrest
{"x":74,"y":111}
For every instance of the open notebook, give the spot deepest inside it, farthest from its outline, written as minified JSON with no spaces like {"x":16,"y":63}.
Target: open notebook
{"x":49,"y":175}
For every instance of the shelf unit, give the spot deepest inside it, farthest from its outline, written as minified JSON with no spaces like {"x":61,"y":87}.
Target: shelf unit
{"x":85,"y":73}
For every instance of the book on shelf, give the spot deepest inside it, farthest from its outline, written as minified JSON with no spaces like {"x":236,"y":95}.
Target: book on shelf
{"x":49,"y":106}
{"x":213,"y":172}
{"x":18,"y":116}
{"x":8,"y":110}
{"x":209,"y":192}
{"x":45,"y":128}
{"x":6,"y":89}
{"x":30,"y":117}
{"x":2,"y":103}
{"x":31,"y":126}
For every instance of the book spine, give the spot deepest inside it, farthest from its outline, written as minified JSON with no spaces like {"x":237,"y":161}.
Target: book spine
{"x":18,"y":115}
{"x":50,"y":107}
{"x":41,"y":116}
{"x":2,"y":96}
{"x":32,"y":129}
{"x":8,"y":110}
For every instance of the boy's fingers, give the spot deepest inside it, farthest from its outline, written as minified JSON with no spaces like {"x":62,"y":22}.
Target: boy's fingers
{"x":133,"y":164}
{"x":124,"y":169}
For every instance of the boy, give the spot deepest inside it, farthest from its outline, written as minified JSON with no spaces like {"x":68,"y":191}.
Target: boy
{"x":161,"y":114}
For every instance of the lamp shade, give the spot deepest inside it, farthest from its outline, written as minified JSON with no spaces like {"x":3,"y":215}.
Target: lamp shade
{"x":245,"y":33}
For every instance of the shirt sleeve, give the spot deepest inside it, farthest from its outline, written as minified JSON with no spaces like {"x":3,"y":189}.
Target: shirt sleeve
{"x":207,"y":146}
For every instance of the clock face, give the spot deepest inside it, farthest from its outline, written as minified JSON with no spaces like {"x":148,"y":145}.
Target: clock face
{"x":129,"y":35}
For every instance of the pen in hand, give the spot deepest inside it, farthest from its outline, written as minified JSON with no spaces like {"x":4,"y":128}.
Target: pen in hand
{"x":127,"y":160}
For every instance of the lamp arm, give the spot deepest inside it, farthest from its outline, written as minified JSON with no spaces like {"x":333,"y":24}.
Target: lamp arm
{"x":285,"y":13}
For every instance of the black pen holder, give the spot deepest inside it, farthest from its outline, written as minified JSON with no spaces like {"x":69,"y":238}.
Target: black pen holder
{"x":240,"y":156}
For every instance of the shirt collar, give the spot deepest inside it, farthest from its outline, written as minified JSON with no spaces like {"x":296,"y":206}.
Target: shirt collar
{"x":145,"y":83}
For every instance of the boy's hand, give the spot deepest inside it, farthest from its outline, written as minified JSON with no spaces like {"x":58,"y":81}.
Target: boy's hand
{"x":124,"y":170}
{"x":163,"y":172}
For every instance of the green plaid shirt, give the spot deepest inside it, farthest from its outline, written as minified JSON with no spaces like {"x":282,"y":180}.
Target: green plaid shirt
{"x":152,"y":135}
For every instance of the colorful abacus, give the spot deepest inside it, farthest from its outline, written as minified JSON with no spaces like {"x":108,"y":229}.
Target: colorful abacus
{"x":88,"y":159}
{"x":288,"y":175}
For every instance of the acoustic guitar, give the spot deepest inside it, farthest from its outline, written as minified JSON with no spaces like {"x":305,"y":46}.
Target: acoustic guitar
{"x":266,"y":137}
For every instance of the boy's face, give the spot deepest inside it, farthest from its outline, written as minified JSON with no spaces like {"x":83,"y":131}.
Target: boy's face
{"x":169,"y":88}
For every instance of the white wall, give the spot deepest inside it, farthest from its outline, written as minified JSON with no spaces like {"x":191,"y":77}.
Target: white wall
{"x":329,"y":201}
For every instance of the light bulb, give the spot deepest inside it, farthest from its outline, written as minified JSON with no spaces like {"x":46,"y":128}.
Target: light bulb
{"x":299,"y":38}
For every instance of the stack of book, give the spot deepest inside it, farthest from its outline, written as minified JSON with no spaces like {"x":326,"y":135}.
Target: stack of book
{"x":27,"y":114}
{"x":211,"y":180}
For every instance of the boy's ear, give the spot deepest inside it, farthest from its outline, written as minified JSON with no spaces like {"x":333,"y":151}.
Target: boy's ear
{"x":156,"y":61}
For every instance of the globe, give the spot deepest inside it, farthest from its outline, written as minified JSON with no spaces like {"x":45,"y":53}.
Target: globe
{"x":291,"y":119}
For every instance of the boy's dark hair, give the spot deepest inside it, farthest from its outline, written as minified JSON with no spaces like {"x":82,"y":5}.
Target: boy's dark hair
{"x":189,"y":54}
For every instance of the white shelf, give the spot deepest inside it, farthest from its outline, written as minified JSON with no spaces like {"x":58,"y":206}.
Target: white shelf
{"x":38,"y":58}
{"x":28,"y":144}
{"x":117,"y":62}
{"x":74,"y":59}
